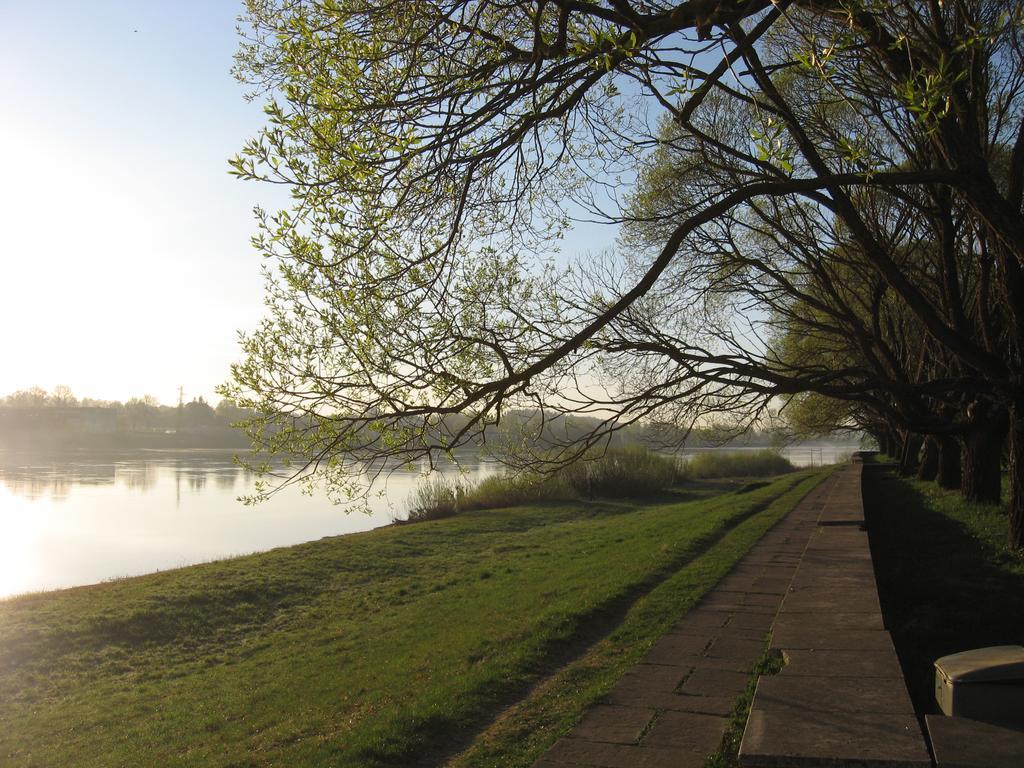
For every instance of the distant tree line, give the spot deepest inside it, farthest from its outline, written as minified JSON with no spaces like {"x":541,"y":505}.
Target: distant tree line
{"x":34,"y":417}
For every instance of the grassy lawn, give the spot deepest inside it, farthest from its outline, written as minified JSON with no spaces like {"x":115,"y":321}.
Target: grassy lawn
{"x":946,"y":580}
{"x":474,"y":640}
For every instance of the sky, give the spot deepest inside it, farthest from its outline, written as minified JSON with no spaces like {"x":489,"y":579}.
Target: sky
{"x":125,"y":263}
{"x":125,"y":260}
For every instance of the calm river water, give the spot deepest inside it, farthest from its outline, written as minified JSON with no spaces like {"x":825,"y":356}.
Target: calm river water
{"x":82,"y":518}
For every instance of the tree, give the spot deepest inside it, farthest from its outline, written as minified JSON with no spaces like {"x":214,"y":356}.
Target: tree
{"x":33,"y":397}
{"x":438,"y":151}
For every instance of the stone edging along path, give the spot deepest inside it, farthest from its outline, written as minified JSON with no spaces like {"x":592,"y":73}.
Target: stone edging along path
{"x":809,"y":580}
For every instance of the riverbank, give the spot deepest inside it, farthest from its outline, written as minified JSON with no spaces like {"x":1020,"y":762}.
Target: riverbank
{"x":388,"y":647}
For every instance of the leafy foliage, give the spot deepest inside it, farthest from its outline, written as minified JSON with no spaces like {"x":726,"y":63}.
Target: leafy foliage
{"x":803,"y":198}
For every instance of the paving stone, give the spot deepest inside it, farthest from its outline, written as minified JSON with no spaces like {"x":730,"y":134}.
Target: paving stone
{"x":962,"y":743}
{"x":651,"y":677}
{"x":675,"y":646}
{"x":709,"y":705}
{"x":790,"y":549}
{"x":825,"y":663}
{"x":608,"y":723}
{"x":627,"y":696}
{"x":737,"y":583}
{"x":766,"y":562}
{"x":687,"y":731}
{"x":632,"y":697}
{"x":835,"y":694}
{"x":747,"y":566}
{"x":795,"y":737}
{"x":715,"y":682}
{"x":762,"y":599}
{"x":770,"y":585}
{"x":794,"y":636}
{"x":582,"y":752}
{"x":735,"y":648}
{"x":699,"y":621}
{"x":734,"y":604}
{"x":847,"y":578}
{"x":823,"y":600}
{"x":778,"y":571}
{"x":745,"y":633}
{"x":704,"y":662}
{"x":761,"y":621}
{"x":821,"y":558}
{"x":834,"y":620}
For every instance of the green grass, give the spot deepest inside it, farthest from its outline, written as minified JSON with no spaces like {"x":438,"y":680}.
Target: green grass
{"x":946,"y":580}
{"x":396,"y":647}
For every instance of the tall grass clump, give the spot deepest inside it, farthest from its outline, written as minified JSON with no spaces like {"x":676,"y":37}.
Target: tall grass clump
{"x":714,"y":464}
{"x":511,"y":490}
{"x":616,"y":473}
{"x":624,"y":472}
{"x":434,"y":498}
{"x":438,"y":496}
{"x":632,"y":472}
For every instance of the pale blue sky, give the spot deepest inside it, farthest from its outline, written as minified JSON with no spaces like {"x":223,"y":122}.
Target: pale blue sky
{"x":124,"y":243}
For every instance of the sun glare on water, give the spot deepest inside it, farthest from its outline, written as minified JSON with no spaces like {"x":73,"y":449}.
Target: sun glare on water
{"x":18,"y":536}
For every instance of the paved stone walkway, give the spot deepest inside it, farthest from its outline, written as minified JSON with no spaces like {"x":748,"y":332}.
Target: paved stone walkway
{"x":840,"y":700}
{"x":671,"y":709}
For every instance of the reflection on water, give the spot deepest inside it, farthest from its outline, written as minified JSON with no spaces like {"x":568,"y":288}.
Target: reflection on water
{"x":54,"y":478}
{"x":80,"y":519}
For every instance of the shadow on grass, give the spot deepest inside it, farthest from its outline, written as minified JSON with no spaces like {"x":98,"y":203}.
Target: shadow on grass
{"x":436,"y":740}
{"x":944,"y":585}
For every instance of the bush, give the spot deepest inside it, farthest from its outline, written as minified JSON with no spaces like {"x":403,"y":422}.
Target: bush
{"x":712,"y":464}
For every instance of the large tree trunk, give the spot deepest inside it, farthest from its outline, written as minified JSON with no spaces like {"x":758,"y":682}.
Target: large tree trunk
{"x":908,"y":459}
{"x":895,"y":445}
{"x":929,"y":467}
{"x":1016,"y":510}
{"x":885,"y":443}
{"x":982,"y":454}
{"x":949,"y":463}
